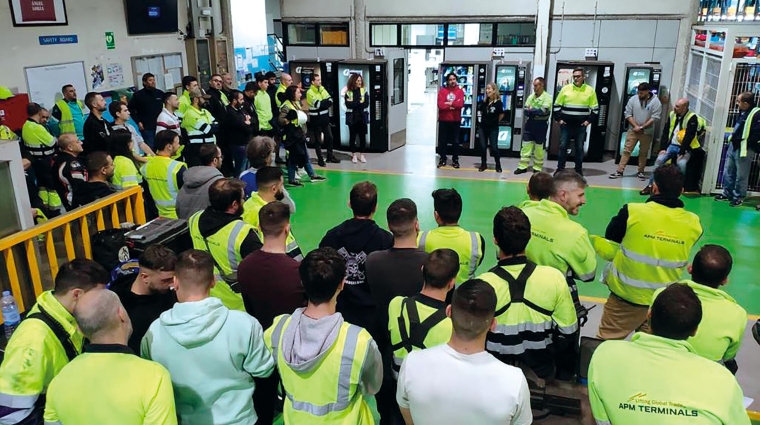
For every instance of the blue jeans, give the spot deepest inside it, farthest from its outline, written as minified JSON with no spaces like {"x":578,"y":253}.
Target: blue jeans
{"x":150,"y":137}
{"x":565,"y":133}
{"x":736,"y":173}
{"x":671,"y":154}
{"x":239,"y":159}
{"x":292,"y":168}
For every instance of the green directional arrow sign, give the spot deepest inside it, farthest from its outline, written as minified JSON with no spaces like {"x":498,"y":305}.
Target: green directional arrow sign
{"x":110,"y":40}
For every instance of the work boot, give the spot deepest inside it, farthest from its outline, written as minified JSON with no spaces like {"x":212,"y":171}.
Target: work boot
{"x":332,"y":159}
{"x":521,"y":171}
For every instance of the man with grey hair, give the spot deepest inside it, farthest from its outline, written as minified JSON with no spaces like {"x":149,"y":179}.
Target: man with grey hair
{"x":126,"y":388}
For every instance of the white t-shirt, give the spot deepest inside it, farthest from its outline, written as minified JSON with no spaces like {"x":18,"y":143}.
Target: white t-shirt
{"x":442,"y":386}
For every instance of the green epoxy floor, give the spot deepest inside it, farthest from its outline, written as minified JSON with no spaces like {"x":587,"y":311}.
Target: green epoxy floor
{"x":321,"y":206}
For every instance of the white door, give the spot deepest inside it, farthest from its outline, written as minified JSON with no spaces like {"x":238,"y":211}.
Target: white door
{"x":398,"y":94}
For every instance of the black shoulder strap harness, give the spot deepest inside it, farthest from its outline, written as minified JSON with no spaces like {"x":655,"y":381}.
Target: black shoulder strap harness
{"x":417,"y":330}
{"x":517,"y":288}
{"x":63,"y":337}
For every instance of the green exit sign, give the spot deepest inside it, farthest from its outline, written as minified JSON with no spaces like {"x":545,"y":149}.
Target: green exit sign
{"x":110,"y":40}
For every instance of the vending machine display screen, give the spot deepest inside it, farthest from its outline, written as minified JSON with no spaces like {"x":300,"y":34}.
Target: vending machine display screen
{"x":344,"y":72}
{"x":636,"y":77}
{"x":505,"y":78}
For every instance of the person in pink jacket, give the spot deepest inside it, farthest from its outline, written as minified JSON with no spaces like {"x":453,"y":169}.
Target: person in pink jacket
{"x":450,"y":103}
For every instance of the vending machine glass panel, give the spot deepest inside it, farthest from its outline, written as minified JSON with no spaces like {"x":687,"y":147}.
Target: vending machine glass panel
{"x":635,"y":77}
{"x":506,"y":82}
{"x":344,"y":72}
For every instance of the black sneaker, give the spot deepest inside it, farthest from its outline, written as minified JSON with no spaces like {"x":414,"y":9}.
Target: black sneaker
{"x":455,"y":163}
{"x":295,"y":183}
{"x":736,"y":202}
{"x":722,"y":197}
{"x":557,"y":171}
{"x":316,"y":178}
{"x":321,"y":163}
{"x":442,"y":162}
{"x":498,"y":169}
{"x":521,"y":171}
{"x":482,"y":168}
{"x":646,"y":191}
{"x":641,"y":176}
{"x":615,"y":175}
{"x":333,"y":160}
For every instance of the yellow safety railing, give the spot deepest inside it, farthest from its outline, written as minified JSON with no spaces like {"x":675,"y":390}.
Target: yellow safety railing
{"x":134,"y":212}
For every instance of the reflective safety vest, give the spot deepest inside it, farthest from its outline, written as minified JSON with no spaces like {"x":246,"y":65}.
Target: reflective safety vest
{"x":251,"y":210}
{"x":745,"y":132}
{"x":575,"y":104}
{"x":655,"y":380}
{"x":66,"y":124}
{"x":280,"y":89}
{"x":161,"y":174}
{"x":719,"y":335}
{"x":35,"y":355}
{"x":198,"y":123}
{"x":701,"y":126}
{"x":350,"y":97}
{"x":37,"y":141}
{"x":136,"y":391}
{"x":416,"y":323}
{"x":224,"y":247}
{"x":559,"y":242}
{"x":330,"y":393}
{"x":468,"y":245}
{"x":531,"y":302}
{"x":125,"y":173}
{"x":6,"y":133}
{"x":184,"y":103}
{"x":314,"y":97}
{"x":654,"y":252}
{"x":263,"y":105}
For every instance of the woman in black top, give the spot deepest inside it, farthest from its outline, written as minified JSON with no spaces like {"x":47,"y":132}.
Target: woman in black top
{"x":357,"y":101}
{"x":491,"y":111}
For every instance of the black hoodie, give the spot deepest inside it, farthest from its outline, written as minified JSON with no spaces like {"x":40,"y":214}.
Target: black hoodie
{"x":210,"y":222}
{"x":355,"y":239}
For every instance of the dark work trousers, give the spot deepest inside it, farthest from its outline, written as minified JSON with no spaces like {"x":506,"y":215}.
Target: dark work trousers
{"x":448,"y":134}
{"x":360,"y":131}
{"x":489,"y":137}
{"x":317,"y":132}
{"x":577,"y":132}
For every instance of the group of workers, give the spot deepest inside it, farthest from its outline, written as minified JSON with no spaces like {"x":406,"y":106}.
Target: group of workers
{"x":400,"y":316}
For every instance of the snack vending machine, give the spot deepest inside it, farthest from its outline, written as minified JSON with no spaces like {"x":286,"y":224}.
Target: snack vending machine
{"x":513,"y":81}
{"x":600,"y":76}
{"x":635,"y":74}
{"x":472,"y":78}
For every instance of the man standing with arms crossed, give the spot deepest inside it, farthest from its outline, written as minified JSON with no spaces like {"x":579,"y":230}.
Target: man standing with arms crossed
{"x":320,"y":103}
{"x":69,"y":112}
{"x":538,"y":107}
{"x":641,"y":113}
{"x":450,"y":103}
{"x":575,"y":108}
{"x":741,"y":151}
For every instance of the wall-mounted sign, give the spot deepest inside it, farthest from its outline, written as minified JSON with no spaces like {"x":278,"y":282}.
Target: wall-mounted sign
{"x":38,"y":12}
{"x":110,"y":40}
{"x":58,"y":39}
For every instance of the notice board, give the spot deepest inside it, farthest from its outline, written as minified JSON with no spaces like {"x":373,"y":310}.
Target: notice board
{"x":44,"y":82}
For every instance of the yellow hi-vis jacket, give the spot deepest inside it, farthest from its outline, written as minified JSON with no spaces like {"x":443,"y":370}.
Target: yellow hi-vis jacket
{"x":330,"y":391}
{"x":470,"y":247}
{"x":654,"y":251}
{"x":35,"y":355}
{"x":745,"y":132}
{"x":109,"y":384}
{"x":125,"y":173}
{"x":658,"y":381}
{"x":251,"y":210}
{"x":161,"y":174}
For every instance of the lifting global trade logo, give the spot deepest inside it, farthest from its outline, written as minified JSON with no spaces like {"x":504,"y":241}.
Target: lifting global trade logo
{"x":640,"y":403}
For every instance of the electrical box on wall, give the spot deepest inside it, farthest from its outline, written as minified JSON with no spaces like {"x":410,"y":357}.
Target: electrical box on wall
{"x":592,"y":53}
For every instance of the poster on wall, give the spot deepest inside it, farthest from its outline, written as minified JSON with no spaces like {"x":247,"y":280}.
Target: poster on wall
{"x":115,"y":74}
{"x":96,"y":73}
{"x":38,"y":12}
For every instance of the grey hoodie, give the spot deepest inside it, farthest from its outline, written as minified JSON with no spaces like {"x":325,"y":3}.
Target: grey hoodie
{"x":193,"y":196}
{"x":305,"y":342}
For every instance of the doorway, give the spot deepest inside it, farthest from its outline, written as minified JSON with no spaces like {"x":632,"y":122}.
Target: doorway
{"x":422,"y":113}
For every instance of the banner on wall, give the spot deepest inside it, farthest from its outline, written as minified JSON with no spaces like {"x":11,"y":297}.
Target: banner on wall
{"x":38,"y":12}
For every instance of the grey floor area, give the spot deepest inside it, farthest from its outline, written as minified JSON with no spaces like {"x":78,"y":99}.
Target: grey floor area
{"x":418,"y":158}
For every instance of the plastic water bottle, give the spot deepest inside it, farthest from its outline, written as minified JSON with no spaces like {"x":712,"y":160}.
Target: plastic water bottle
{"x":11,"y":316}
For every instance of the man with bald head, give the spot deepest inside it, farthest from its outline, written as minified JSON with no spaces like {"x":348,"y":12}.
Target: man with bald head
{"x":681,"y":136}
{"x":125,"y":388}
{"x":68,"y":169}
{"x":285,"y":81}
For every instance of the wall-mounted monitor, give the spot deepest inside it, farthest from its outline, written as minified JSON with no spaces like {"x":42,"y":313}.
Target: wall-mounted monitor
{"x":151,"y":16}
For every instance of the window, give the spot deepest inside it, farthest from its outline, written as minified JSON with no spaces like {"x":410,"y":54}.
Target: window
{"x":384,"y":34}
{"x":422,"y":34}
{"x":302,"y":34}
{"x":516,"y":34}
{"x":470,"y":35}
{"x":333,"y":34}
{"x":399,"y":81}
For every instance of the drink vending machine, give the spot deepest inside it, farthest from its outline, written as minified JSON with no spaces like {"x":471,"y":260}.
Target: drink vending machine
{"x":512,"y":80}
{"x":303,"y":71}
{"x":374,"y":74}
{"x":472,"y":78}
{"x":635,"y":74}
{"x":600,"y":75}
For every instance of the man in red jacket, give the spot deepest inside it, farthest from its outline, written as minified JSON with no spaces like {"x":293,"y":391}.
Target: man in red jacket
{"x":450,"y":103}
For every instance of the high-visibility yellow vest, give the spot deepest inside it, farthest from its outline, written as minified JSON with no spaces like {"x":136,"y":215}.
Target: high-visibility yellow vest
{"x":654,"y":252}
{"x":198,"y":124}
{"x":280,"y":89}
{"x":745,"y":132}
{"x":330,"y":393}
{"x":251,"y":210}
{"x":701,"y":125}
{"x":430,"y":327}
{"x":34,"y":356}
{"x":314,"y":97}
{"x":224,"y":246}
{"x":575,"y":102}
{"x":161,"y":174}
{"x":655,"y":380}
{"x":137,"y":391}
{"x":184,"y":103}
{"x":263,"y":105}
{"x":37,"y":140}
{"x":125,"y":173}
{"x":66,"y":124}
{"x":466,"y":244}
{"x":6,"y":133}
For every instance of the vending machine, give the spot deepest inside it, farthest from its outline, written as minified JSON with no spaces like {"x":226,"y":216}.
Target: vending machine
{"x":512,"y":80}
{"x":600,"y":75}
{"x":303,"y":71}
{"x":374,"y":74}
{"x":472,"y":79}
{"x":635,"y":74}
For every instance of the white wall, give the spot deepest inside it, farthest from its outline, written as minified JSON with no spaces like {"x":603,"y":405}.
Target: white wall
{"x":311,"y":10}
{"x":89,"y":20}
{"x":622,"y":7}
